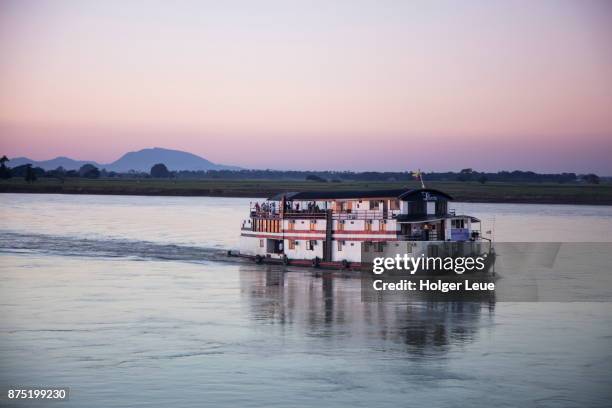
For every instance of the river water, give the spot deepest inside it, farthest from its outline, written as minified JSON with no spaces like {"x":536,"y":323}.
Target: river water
{"x":131,"y":301}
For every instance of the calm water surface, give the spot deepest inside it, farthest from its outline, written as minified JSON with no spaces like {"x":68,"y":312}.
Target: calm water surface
{"x":130,"y":300}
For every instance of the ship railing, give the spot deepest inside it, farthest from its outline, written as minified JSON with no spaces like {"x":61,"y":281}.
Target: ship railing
{"x":267,"y":215}
{"x":305,"y":214}
{"x":432,"y":236}
{"x":321,"y":214}
{"x":365,"y":215}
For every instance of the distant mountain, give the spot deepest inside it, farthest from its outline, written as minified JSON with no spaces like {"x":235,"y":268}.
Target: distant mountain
{"x":141,"y":160}
{"x":66,"y":162}
{"x":144,"y":159}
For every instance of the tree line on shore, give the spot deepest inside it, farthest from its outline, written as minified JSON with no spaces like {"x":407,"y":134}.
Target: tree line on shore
{"x":159,"y":170}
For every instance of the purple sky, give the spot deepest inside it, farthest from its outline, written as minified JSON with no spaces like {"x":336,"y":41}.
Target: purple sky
{"x":348,"y":85}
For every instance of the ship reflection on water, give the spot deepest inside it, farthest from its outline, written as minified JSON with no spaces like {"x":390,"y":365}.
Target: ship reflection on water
{"x":329,"y":305}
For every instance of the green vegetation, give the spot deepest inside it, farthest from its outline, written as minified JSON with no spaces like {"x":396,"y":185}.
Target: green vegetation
{"x":469,"y":191}
{"x":467,"y":185}
{"x":160,"y":171}
{"x":5,"y":172}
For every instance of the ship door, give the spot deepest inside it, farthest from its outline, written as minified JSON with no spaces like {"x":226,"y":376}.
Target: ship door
{"x":274,"y":246}
{"x":385,"y":208}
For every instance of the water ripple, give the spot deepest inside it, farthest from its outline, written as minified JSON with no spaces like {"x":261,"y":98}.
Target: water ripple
{"x":12,"y":242}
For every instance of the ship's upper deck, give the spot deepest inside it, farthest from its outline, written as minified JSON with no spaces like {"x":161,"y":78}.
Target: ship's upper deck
{"x":362,"y":204}
{"x":421,"y":194}
{"x":408,"y":213}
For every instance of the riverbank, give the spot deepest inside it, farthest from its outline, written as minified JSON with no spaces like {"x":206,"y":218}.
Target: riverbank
{"x":540,"y":193}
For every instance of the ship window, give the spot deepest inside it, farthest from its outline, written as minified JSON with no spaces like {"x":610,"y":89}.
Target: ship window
{"x":340,"y":245}
{"x":375,"y":204}
{"x":441,"y":207}
{"x":458,"y":223}
{"x":291,"y":244}
{"x":417,"y":207}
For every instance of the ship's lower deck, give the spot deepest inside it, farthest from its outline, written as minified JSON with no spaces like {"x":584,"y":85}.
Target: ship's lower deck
{"x":350,"y":253}
{"x":313,"y":263}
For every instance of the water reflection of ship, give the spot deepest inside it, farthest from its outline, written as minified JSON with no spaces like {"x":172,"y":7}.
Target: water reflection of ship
{"x":330,"y":306}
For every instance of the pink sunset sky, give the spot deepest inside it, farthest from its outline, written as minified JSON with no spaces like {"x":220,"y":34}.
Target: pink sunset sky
{"x":347,"y":85}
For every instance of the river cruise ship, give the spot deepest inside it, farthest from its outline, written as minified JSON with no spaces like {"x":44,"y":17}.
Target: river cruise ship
{"x":346,"y":229}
